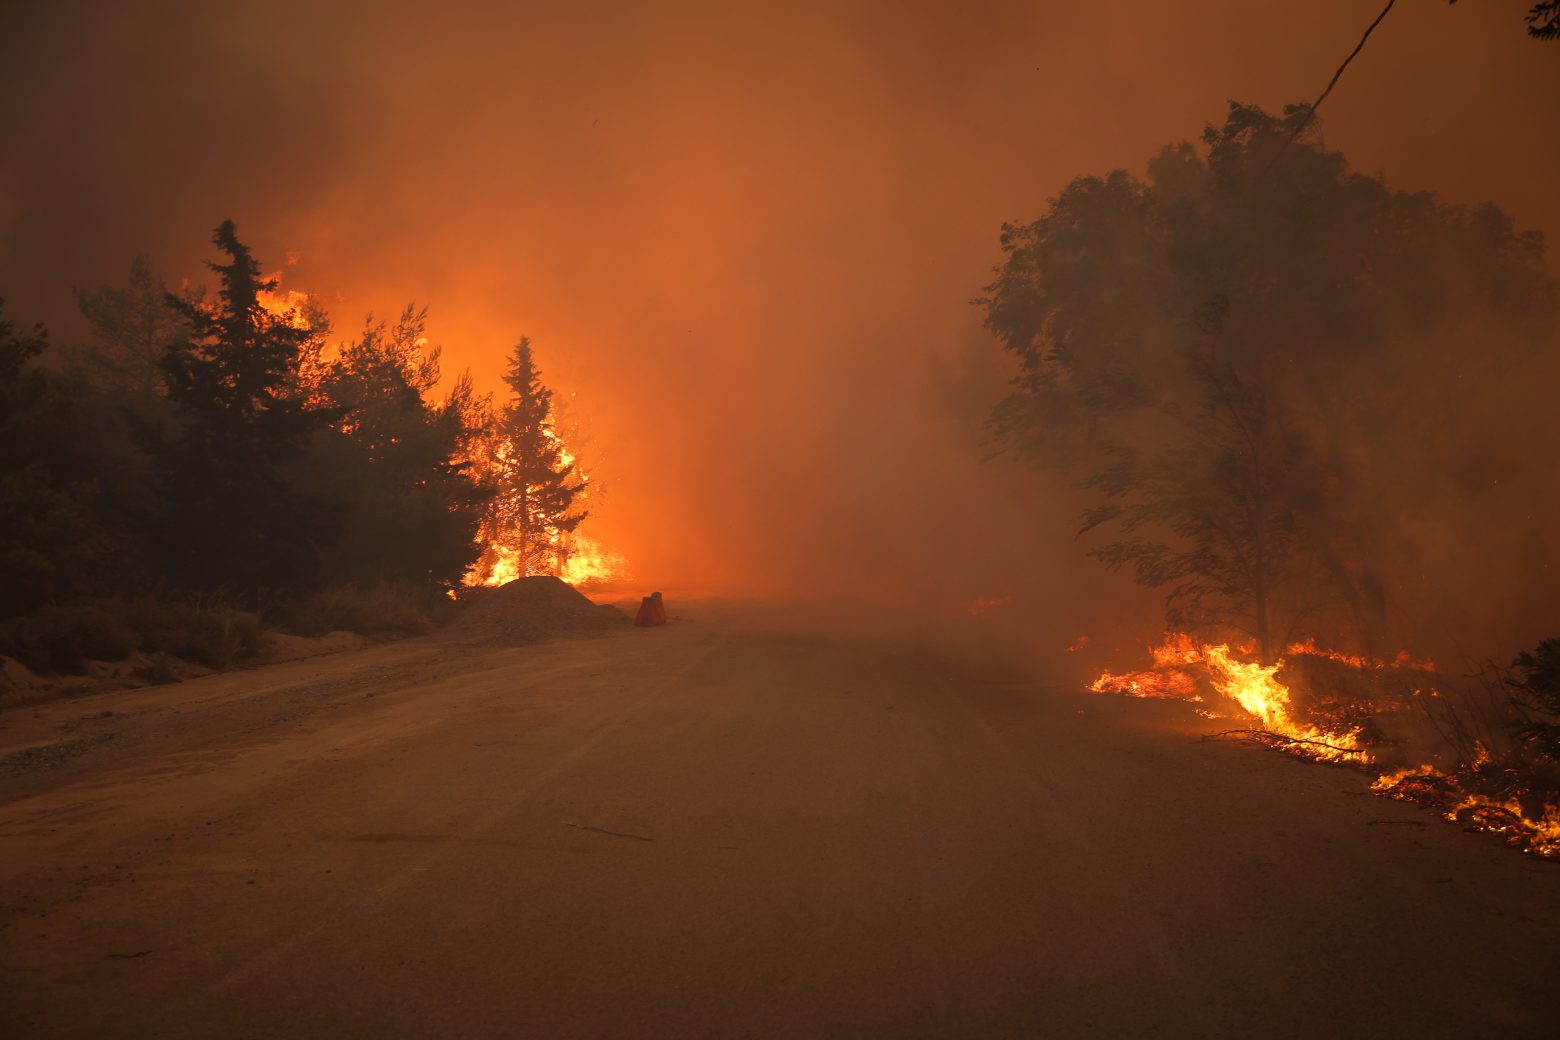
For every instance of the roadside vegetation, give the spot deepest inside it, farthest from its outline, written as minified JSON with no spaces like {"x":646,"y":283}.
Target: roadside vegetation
{"x":1314,"y":410}
{"x":217,"y":464}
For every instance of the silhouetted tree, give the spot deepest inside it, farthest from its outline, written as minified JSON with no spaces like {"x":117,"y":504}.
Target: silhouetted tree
{"x":132,"y":329}
{"x":47,"y":538}
{"x":1537,"y":684}
{"x":1228,"y":354}
{"x":234,"y":517}
{"x":1543,"y":20}
{"x":537,"y":485}
{"x":117,"y":384}
{"x":1220,"y":489}
{"x":412,"y":501}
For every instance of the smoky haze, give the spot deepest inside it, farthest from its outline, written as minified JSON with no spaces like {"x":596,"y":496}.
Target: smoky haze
{"x":745,"y":236}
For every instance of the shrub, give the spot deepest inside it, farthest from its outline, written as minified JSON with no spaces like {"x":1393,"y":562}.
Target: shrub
{"x":214,"y":633}
{"x":63,"y":639}
{"x":159,"y":668}
{"x":1536,"y":687}
{"x":378,"y":610}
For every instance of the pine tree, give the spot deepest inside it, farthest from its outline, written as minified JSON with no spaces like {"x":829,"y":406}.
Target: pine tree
{"x":132,"y":329}
{"x":538,"y":482}
{"x":401,"y":460}
{"x":234,"y":519}
{"x":234,"y":370}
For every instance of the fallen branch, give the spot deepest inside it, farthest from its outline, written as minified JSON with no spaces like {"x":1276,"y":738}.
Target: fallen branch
{"x":1269,"y":737}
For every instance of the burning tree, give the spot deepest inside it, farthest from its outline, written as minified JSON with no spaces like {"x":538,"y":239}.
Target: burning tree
{"x":536,"y":507}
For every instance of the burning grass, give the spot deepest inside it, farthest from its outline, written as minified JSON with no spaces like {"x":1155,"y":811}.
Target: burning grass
{"x":1425,"y":746}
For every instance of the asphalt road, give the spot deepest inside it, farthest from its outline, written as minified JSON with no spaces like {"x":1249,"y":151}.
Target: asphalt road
{"x":720,"y":829}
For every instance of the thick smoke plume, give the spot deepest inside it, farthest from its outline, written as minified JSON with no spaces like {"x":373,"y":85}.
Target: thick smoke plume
{"x":744,"y":235}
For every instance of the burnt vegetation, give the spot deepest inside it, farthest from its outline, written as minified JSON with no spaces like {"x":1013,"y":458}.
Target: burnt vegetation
{"x":212,"y":464}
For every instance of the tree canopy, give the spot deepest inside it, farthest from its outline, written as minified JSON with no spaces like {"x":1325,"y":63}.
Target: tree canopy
{"x":1247,"y":355}
{"x":204,"y":445}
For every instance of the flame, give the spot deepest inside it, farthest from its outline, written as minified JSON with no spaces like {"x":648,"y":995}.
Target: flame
{"x":288,"y":305}
{"x":1507,"y":817}
{"x":1537,"y":833}
{"x":587,"y":563}
{"x":1167,"y":680}
{"x":1252,"y":685}
{"x":988,"y":605}
{"x":1177,"y":649}
{"x":1180,"y":662}
{"x":505,"y":569}
{"x":1400,"y":780}
{"x":584,"y":563}
{"x":1403,"y":659}
{"x":575,"y":557}
{"x":1171,"y":685}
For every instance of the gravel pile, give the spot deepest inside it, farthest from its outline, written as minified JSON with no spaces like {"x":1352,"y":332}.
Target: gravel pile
{"x":530,"y":610}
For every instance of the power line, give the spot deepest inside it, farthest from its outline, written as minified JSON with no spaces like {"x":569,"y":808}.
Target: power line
{"x":1311,"y":114}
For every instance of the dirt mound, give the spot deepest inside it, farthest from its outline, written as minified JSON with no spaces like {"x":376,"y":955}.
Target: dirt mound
{"x":530,"y":610}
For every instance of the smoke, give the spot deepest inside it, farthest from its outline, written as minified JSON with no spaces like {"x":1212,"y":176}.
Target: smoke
{"x":745,"y":236}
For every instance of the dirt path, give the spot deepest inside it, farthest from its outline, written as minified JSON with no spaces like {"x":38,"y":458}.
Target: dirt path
{"x":713,"y":829}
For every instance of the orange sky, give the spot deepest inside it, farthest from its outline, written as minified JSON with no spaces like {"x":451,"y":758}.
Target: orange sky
{"x":745,"y":234}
